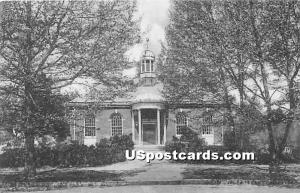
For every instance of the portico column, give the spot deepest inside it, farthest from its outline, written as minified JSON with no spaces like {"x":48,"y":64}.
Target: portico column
{"x":132,"y":125}
{"x":165,"y":128}
{"x":158,"y":126}
{"x":140,"y":126}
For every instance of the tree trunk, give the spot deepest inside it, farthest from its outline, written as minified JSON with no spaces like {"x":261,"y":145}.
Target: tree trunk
{"x":241,"y":108}
{"x":229,"y":108}
{"x":30,"y":167}
{"x":264,"y":76}
{"x":290,"y":118}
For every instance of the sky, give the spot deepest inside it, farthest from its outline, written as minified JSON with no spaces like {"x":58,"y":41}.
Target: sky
{"x":154,"y":16}
{"x":154,"y":19}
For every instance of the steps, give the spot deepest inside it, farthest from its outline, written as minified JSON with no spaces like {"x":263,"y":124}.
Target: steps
{"x":150,"y":148}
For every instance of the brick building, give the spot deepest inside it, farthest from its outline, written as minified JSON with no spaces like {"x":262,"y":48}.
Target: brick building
{"x":144,"y":114}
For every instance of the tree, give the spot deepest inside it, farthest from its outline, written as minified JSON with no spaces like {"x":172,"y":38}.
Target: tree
{"x":195,"y":60}
{"x":275,"y":32}
{"x":246,"y":47}
{"x":45,"y":46}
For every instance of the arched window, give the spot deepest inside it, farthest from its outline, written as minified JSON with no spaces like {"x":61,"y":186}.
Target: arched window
{"x":116,"y":124}
{"x":207,"y":125}
{"x":181,"y":122}
{"x":89,"y":126}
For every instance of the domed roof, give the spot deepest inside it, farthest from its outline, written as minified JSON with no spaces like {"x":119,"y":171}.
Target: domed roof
{"x":148,"y":54}
{"x":148,"y":94}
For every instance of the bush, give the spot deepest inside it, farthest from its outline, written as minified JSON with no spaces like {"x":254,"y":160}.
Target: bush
{"x":190,"y":142}
{"x":107,"y":151}
{"x":229,"y":140}
{"x":12,"y":157}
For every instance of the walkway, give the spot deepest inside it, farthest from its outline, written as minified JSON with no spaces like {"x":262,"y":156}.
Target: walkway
{"x":180,"y":189}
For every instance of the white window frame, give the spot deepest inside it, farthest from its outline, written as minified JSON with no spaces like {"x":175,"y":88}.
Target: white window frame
{"x":112,"y":121}
{"x":185,"y":124}
{"x":93,"y":126}
{"x":208,"y":131}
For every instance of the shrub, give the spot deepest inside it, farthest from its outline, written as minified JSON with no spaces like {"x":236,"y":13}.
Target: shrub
{"x":175,"y":146}
{"x":107,"y":151}
{"x":119,"y":145}
{"x":229,"y":140}
{"x":191,"y":142}
{"x":188,"y":142}
{"x":12,"y":157}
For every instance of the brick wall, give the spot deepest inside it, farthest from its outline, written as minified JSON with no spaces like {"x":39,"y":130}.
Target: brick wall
{"x":103,"y":122}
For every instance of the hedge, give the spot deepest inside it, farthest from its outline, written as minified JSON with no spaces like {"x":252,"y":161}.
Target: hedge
{"x":107,"y":151}
{"x":190,"y":142}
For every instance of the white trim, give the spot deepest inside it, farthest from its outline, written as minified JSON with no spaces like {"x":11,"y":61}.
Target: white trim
{"x":165,"y":127}
{"x":132,"y":126}
{"x":122,"y":125}
{"x":111,"y":126}
{"x":158,"y":126}
{"x":148,"y":105}
{"x":140,"y":126}
{"x":83,"y":129}
{"x":186,"y":117}
{"x":109,"y":120}
{"x":89,"y":137}
{"x":74,"y":129}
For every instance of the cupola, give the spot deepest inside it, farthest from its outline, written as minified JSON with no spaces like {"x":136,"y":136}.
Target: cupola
{"x":147,"y":67}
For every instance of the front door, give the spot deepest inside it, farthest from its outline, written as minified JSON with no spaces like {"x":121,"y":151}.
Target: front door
{"x":149,"y":134}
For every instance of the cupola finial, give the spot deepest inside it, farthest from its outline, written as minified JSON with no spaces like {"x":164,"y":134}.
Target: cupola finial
{"x":147,"y":40}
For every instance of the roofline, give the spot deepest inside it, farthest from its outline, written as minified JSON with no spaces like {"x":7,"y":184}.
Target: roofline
{"x":129,"y":105}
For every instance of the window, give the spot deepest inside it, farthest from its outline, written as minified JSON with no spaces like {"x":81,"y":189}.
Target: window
{"x":181,"y":123}
{"x":143,"y":67}
{"x":207,"y":125}
{"x":148,"y":66}
{"x":116,"y":124}
{"x":89,"y":126}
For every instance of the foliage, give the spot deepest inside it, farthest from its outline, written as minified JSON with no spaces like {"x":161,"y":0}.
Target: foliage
{"x":229,"y":140}
{"x":46,"y":45}
{"x":13,"y":157}
{"x":245,"y":50}
{"x":190,"y":142}
{"x":107,"y":151}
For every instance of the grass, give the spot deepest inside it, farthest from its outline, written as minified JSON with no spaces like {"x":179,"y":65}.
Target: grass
{"x":62,"y":176}
{"x":240,"y":172}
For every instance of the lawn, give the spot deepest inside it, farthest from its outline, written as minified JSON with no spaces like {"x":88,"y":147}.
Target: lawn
{"x":63,"y":176}
{"x":224,"y":174}
{"x":242,"y":172}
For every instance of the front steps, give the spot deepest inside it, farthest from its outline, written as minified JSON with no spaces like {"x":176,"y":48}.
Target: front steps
{"x":150,"y":148}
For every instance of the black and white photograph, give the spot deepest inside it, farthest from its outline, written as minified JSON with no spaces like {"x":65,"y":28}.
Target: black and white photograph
{"x":150,"y":96}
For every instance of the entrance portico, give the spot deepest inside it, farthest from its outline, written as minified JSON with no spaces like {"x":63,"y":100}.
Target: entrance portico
{"x":149,"y":126}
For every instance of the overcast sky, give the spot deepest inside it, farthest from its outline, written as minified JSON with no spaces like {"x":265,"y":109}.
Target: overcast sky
{"x":154,"y":16}
{"x":154,"y":19}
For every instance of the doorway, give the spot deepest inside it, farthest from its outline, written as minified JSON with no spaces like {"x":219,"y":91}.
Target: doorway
{"x":149,"y":126}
